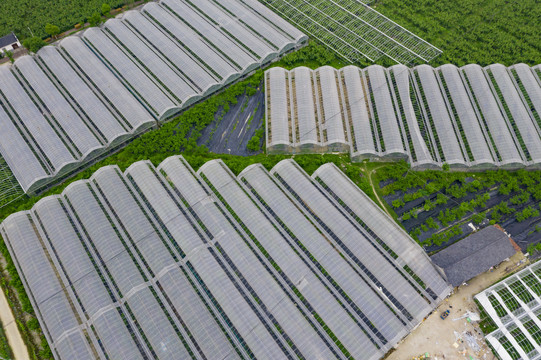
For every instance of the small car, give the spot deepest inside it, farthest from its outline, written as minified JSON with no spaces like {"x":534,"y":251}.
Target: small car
{"x":444,"y":314}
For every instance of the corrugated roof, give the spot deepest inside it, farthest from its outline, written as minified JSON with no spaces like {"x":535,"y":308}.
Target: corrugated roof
{"x":8,"y":40}
{"x":474,"y":255}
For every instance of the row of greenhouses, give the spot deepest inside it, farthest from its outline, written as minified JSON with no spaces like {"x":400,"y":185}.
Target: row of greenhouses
{"x":354,"y":30}
{"x":94,"y":91}
{"x":169,"y":263}
{"x":469,"y":117}
{"x":514,"y":306}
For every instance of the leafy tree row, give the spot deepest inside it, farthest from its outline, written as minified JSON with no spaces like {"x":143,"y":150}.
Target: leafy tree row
{"x":29,"y":18}
{"x":472,"y":31}
{"x":34,"y":43}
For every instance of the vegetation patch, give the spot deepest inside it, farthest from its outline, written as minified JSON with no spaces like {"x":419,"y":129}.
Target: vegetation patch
{"x":5,"y":350}
{"x":435,"y":207}
{"x":472,"y":31}
{"x":29,"y":18}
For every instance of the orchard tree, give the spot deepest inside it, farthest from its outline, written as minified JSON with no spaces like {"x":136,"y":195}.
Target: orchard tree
{"x":33,"y":44}
{"x":52,"y":30}
{"x":105,"y":9}
{"x":95,"y":19}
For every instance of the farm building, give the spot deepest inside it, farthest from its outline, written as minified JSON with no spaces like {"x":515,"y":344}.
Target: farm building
{"x":165,"y":262}
{"x":514,"y":307}
{"x":92,"y":92}
{"x":9,"y":43}
{"x":474,"y":254}
{"x":469,"y":117}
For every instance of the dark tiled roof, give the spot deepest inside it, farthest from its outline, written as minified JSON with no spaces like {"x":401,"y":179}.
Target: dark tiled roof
{"x":8,"y":40}
{"x":473,"y":255}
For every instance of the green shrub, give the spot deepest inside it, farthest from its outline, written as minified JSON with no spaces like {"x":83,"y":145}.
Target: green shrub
{"x":478,"y":218}
{"x":33,"y":44}
{"x":33,"y":324}
{"x":527,"y":213}
{"x":431,"y":223}
{"x":254,"y":144}
{"x":398,"y":203}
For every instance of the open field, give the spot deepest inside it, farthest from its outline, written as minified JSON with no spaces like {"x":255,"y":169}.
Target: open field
{"x":472,"y":31}
{"x":436,"y":207}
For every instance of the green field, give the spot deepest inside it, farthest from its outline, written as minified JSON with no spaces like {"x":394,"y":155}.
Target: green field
{"x":472,"y":31}
{"x":434,"y":205}
{"x":21,"y":16}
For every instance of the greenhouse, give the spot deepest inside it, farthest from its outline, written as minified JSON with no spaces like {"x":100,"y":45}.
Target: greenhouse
{"x":354,"y":30}
{"x":513,"y":305}
{"x":166,"y":262}
{"x":90,"y":93}
{"x":469,"y":117}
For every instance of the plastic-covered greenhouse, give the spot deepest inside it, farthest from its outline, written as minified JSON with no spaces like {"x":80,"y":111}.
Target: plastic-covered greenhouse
{"x":169,"y":263}
{"x":90,"y":93}
{"x":469,"y":117}
{"x":514,"y":307}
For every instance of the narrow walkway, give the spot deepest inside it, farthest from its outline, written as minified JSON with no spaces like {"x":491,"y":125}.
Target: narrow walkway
{"x":15,"y":340}
{"x":374,"y":190}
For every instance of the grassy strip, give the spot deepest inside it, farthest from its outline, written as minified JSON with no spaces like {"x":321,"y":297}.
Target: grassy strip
{"x":22,"y":309}
{"x":177,"y":136}
{"x":5,"y":350}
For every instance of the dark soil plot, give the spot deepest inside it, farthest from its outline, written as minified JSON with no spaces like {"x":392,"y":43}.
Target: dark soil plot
{"x":524,"y":232}
{"x":468,"y":202}
{"x":452,"y":202}
{"x":532,"y":236}
{"x":386,"y":182}
{"x":229,"y":133}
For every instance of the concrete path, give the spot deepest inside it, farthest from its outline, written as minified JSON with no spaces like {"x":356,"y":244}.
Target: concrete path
{"x":13,"y":335}
{"x":436,"y":336}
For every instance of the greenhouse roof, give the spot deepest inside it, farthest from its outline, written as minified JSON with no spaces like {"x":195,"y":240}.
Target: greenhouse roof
{"x":92,"y":92}
{"x":165,"y":262}
{"x":469,"y":117}
{"x":354,"y":30}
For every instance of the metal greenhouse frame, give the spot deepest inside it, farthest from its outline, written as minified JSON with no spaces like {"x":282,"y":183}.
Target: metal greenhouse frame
{"x":354,"y":30}
{"x":514,"y":307}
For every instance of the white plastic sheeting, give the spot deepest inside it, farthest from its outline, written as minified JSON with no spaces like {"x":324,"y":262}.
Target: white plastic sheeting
{"x":469,"y":117}
{"x":91,"y":92}
{"x":162,"y":263}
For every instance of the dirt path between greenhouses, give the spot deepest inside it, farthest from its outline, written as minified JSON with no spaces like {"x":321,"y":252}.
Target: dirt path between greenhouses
{"x":15,"y":340}
{"x":369,"y":175}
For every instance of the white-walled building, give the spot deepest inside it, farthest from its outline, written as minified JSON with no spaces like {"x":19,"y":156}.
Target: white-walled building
{"x":9,"y":43}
